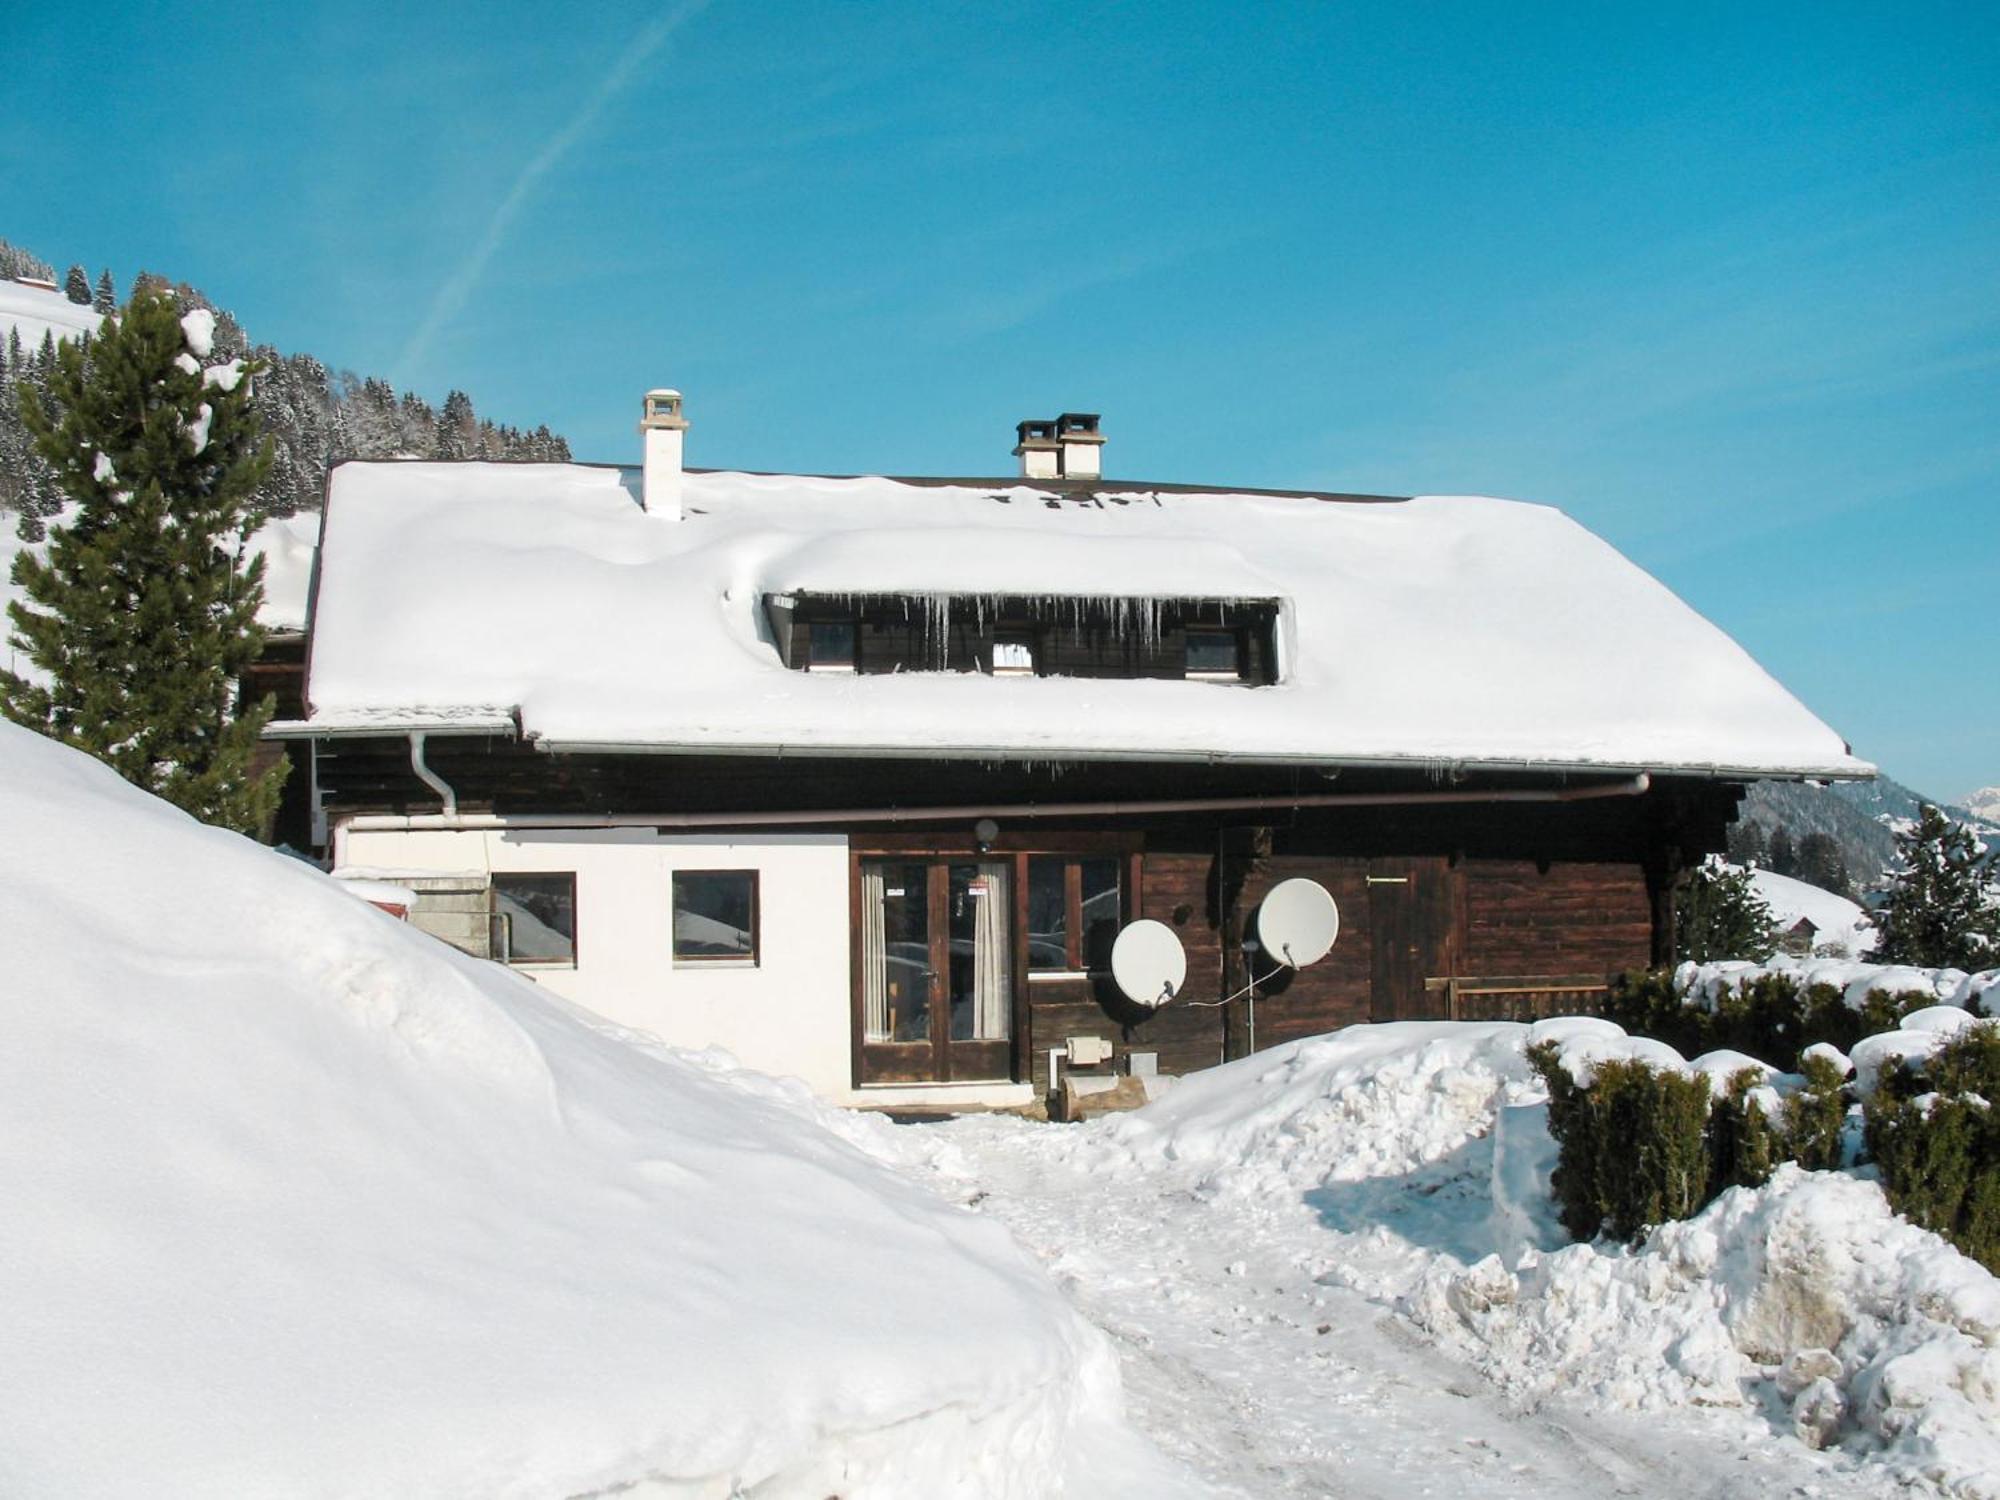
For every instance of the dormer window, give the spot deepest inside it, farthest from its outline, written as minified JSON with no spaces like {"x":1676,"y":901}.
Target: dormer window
{"x":1214,"y":656}
{"x":1013,"y":653}
{"x":1029,"y":635}
{"x":831,"y":646}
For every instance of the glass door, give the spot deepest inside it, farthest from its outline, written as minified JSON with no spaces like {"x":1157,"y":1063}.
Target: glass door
{"x":935,"y":981}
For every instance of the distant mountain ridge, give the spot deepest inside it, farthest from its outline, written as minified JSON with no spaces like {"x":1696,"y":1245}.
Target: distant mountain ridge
{"x":311,"y":414}
{"x":1860,"y":816}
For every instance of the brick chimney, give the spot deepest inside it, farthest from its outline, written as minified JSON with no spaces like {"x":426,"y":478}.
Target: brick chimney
{"x":664,"y":430}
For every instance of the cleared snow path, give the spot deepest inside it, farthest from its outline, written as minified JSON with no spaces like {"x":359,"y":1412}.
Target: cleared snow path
{"x":1267,"y":1382}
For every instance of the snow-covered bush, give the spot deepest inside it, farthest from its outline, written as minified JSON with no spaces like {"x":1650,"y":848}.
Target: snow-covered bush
{"x":1768,"y":1012}
{"x":1633,"y":1139}
{"x":1644,"y":1138}
{"x":1933,"y":1130}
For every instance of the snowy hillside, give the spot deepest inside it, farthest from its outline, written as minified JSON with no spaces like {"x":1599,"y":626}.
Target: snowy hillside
{"x":1984,"y":805}
{"x":35,"y":312}
{"x":302,"y":1203}
{"x":1843,"y":928}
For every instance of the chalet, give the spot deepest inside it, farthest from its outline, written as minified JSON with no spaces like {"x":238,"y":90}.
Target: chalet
{"x":861,"y":777}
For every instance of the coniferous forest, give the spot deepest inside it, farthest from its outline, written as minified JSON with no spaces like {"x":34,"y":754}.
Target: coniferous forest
{"x":310,"y":413}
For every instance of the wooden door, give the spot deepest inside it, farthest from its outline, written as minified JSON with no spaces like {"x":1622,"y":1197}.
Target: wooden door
{"x":934,"y":974}
{"x":1412,"y":905}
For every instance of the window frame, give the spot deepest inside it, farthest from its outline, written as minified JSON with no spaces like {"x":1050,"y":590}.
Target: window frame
{"x":847,"y":668}
{"x":1234,"y":635}
{"x":498,"y":919}
{"x":1076,"y":962}
{"x":754,"y":959}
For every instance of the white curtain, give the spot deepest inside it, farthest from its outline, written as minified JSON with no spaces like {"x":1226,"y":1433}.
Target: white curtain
{"x":874,"y":958}
{"x":992,"y":993}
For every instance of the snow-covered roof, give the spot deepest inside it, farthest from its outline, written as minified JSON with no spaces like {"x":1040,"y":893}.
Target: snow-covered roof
{"x":1434,"y":629}
{"x":34,"y":311}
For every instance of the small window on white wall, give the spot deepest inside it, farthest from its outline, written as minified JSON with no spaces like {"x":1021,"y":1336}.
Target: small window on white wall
{"x":534,"y":918}
{"x":715,"y":917}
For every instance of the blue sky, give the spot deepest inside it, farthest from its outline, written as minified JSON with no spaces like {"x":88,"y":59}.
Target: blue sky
{"x":1721,"y":281}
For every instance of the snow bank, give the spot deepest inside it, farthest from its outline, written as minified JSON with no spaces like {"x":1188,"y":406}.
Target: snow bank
{"x":1424,"y":1149}
{"x":602,"y":623}
{"x":1366,"y":1102}
{"x":1807,"y":1296}
{"x":1841,"y":928}
{"x":1704,"y":984}
{"x":299,"y":1202}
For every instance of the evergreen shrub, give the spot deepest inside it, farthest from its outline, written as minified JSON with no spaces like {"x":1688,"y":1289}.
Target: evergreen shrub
{"x":1641,"y":1145}
{"x":1934,"y":1133}
{"x":1770,"y":1016}
{"x":1633,"y":1145}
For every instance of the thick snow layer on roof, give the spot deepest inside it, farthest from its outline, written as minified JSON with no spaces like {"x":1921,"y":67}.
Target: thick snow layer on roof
{"x":34,"y":312}
{"x":302,"y":1202}
{"x":1441,"y":628}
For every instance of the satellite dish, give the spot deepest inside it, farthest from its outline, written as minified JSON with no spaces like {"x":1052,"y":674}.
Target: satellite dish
{"x":1298,"y":922}
{"x":1148,"y":963}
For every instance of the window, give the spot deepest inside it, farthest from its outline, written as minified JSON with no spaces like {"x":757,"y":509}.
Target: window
{"x":1214,"y":656}
{"x":1075,"y":907}
{"x":1013,"y":653}
{"x":831,"y":646}
{"x":715,"y":917}
{"x":534,"y":919}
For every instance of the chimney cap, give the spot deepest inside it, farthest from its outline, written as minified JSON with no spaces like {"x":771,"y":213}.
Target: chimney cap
{"x":1073,"y":424}
{"x":663,"y":409}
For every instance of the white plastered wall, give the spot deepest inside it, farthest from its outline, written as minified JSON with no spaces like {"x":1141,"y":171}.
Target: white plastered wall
{"x":790,"y":1014}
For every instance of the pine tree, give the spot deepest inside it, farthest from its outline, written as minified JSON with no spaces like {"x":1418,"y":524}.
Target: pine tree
{"x":1748,"y":846}
{"x":1784,"y":857}
{"x":1938,"y":912}
{"x":1822,"y":864}
{"x":142,"y":619}
{"x":76,"y":286}
{"x":1719,"y":915}
{"x":106,"y":298}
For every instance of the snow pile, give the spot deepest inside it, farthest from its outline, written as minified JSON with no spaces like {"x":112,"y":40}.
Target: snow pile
{"x":604,"y":624}
{"x":37,"y":313}
{"x":1366,"y":1102}
{"x":1807,"y":1296}
{"x":1705,"y":984}
{"x":300,"y":1202}
{"x":1841,"y":928}
{"x":1424,"y":1148}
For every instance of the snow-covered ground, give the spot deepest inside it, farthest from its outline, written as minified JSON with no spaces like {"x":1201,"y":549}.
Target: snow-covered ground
{"x":1332,"y":1269}
{"x":1843,"y":928}
{"x":300,"y":1202}
{"x":35,"y":313}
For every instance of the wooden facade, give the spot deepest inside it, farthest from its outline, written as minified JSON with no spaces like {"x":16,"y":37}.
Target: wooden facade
{"x":1469,"y":910}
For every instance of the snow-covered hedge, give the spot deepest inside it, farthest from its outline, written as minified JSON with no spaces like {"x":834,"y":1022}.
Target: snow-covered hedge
{"x":1776,"y":1010}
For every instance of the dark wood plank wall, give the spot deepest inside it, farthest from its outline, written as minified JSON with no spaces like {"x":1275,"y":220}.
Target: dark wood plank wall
{"x":1585,"y":917}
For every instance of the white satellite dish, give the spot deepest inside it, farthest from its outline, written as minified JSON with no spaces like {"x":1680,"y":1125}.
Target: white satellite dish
{"x":1298,"y":922}
{"x":1148,"y":963}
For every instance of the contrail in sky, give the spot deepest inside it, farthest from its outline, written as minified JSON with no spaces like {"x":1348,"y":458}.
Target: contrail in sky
{"x":458,"y":286}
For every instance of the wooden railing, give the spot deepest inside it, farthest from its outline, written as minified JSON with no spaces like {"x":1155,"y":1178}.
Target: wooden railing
{"x":1515,"y":997}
